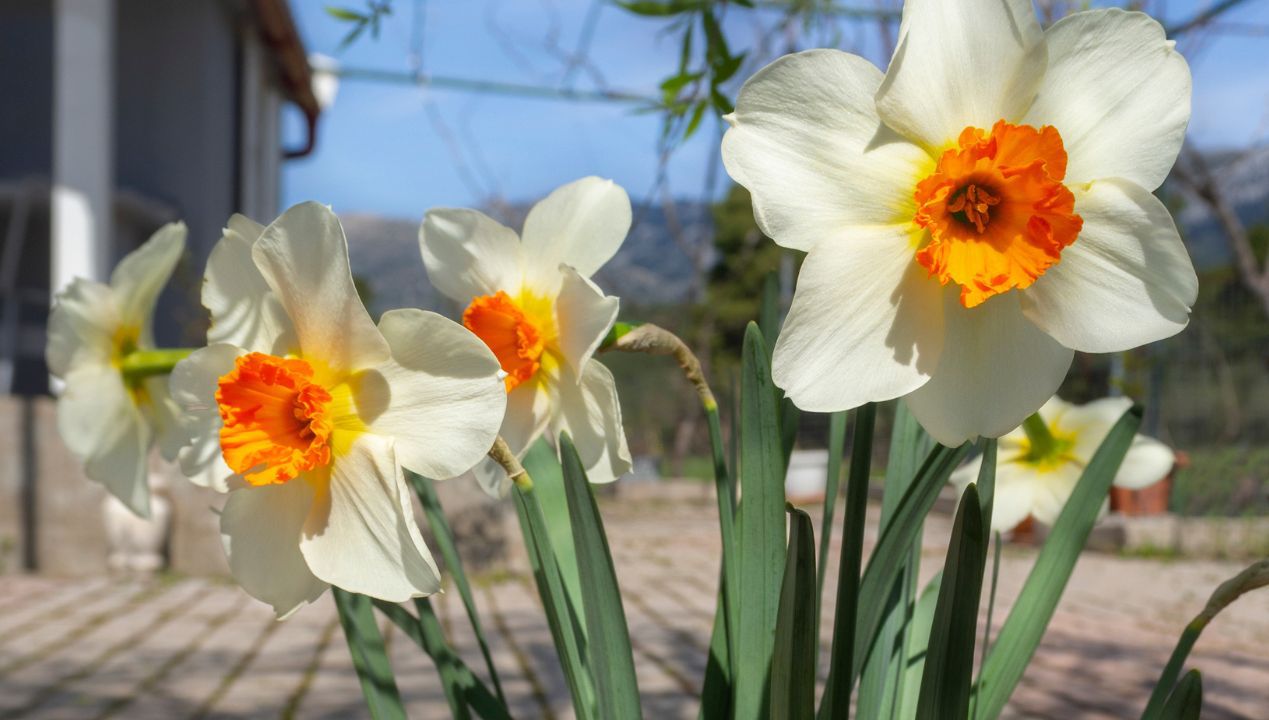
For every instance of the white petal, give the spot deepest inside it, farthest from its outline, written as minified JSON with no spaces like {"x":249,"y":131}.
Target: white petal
{"x":590,"y":412}
{"x":468,"y":254}
{"x":303,"y":256}
{"x":580,"y":224}
{"x":1126,"y":281}
{"x":101,"y":425}
{"x":81,"y":327}
{"x":530,"y":407}
{"x":1148,"y":461}
{"x":164,"y":417}
{"x":440,"y":397}
{"x":584,"y":315}
{"x":492,"y":478}
{"x":1119,"y":94}
{"x":1014,"y":497}
{"x":261,"y":527}
{"x":996,"y":369}
{"x":961,"y":64}
{"x":1089,"y":424}
{"x":361,"y":535}
{"x":193,"y":385}
{"x":140,"y":276}
{"x":244,"y":311}
{"x":1053,"y":488}
{"x":808,"y":145}
{"x":866,"y":324}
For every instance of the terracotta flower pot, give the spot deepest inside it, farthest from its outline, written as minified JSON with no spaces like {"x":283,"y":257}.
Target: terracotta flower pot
{"x":1149,"y":500}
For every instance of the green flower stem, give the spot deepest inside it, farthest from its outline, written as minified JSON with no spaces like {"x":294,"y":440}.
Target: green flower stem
{"x":141,"y":364}
{"x":1042,"y":440}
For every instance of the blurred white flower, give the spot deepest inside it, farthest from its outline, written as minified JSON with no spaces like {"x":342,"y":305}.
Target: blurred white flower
{"x":108,"y":418}
{"x":1037,"y":481}
{"x":533,"y":304}
{"x":975,"y":214}
{"x":306,"y":411}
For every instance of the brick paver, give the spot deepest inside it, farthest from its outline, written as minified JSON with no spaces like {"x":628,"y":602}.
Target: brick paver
{"x":98,"y":648}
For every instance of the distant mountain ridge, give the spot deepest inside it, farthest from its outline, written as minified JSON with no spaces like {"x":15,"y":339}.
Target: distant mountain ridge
{"x":651,"y":268}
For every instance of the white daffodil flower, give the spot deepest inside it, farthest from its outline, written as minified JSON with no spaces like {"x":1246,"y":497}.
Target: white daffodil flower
{"x":110,"y":413}
{"x":309,"y":411}
{"x":533,"y":304}
{"x":975,"y":214}
{"x":1037,"y":476}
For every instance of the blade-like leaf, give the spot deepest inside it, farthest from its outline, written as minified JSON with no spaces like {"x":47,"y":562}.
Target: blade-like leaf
{"x":841,"y":675}
{"x":1186,"y":701}
{"x":916,"y":645}
{"x":716,"y":692}
{"x":1251,"y":578}
{"x":769,"y":324}
{"x":761,"y":530}
{"x":1025,"y":626}
{"x":792,"y":683}
{"x":462,"y":687}
{"x":561,"y":616}
{"x":370,"y":658}
{"x":882,"y":677}
{"x":949,"y":661}
{"x":543,"y":466}
{"x":454,"y":564}
{"x":612,"y":663}
{"x":897,"y":539}
{"x":832,"y":486}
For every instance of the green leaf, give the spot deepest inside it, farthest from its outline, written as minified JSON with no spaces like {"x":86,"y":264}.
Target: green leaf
{"x":1186,"y":701}
{"x":1251,"y":578}
{"x":716,"y":693}
{"x":698,"y":112}
{"x":543,"y":466}
{"x":659,"y":9}
{"x":896,"y":541}
{"x":883,"y":678}
{"x":462,"y":687}
{"x":761,"y":530}
{"x":454,"y":564}
{"x":370,"y":658}
{"x":769,"y":324}
{"x":612,"y":663}
{"x":792,"y":683}
{"x":949,"y":661}
{"x":1025,"y":626}
{"x":346,"y":14}
{"x":915,"y":647}
{"x":836,"y":448}
{"x":728,"y":67}
{"x":561,"y":615}
{"x":841,"y":674}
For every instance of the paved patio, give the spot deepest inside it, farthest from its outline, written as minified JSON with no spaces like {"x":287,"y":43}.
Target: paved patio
{"x":198,"y":648}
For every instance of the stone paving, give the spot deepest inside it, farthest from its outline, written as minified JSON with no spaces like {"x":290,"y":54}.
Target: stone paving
{"x":199,"y":648}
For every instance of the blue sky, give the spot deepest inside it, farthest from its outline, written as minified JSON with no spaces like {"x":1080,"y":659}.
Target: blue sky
{"x":397,"y":150}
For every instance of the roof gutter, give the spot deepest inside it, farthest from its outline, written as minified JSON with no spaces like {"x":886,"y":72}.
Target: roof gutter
{"x":279,"y":34}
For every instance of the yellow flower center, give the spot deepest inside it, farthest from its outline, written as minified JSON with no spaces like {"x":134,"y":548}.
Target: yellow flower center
{"x":277,"y":421}
{"x":996,"y":210}
{"x":518,"y":333}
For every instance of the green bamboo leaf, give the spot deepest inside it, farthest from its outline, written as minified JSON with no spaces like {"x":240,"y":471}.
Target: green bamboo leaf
{"x":792,"y":684}
{"x":345,"y":14}
{"x":610,"y":651}
{"x":761,"y":530}
{"x":1030,"y":616}
{"x":1253,"y":577}
{"x":895,"y":542}
{"x":949,"y":661}
{"x":462,"y":687}
{"x":1186,"y":701}
{"x":439,"y":525}
{"x":916,"y":645}
{"x":370,"y":658}
{"x":561,"y":615}
{"x":647,"y":8}
{"x":883,"y":678}
{"x":841,"y":677}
